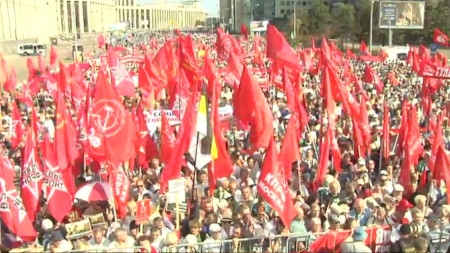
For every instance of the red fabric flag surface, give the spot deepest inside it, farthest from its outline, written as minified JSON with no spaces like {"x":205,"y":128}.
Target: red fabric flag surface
{"x":11,"y":81}
{"x":222,"y":164}
{"x":186,"y":132}
{"x":440,"y":38}
{"x":18,"y":129}
{"x":289,"y":148}
{"x":250,"y":105}
{"x":59,"y":183}
{"x":146,"y":146}
{"x":167,"y":138}
{"x":120,"y":185}
{"x":101,"y":43}
{"x":363,"y":49}
{"x":430,"y":69}
{"x":65,"y":134}
{"x":12,"y":210}
{"x":280,"y":51}
{"x":110,"y":132}
{"x":31,"y":175}
{"x":272,"y":185}
{"x":120,"y":77}
{"x":324,"y":157}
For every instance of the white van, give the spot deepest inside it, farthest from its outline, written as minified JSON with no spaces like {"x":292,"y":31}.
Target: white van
{"x":31,"y":49}
{"x":397,"y":53}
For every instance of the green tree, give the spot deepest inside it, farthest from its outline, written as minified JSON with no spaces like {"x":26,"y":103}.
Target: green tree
{"x":439,"y":17}
{"x":318,"y":18}
{"x":301,"y":23}
{"x":344,"y":20}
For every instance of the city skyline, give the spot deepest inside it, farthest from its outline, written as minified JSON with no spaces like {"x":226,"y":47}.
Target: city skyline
{"x":211,"y":6}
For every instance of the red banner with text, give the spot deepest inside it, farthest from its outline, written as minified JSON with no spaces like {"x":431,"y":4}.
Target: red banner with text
{"x":430,"y":69}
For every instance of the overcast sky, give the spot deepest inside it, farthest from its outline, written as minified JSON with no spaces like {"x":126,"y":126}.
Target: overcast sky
{"x":211,"y":6}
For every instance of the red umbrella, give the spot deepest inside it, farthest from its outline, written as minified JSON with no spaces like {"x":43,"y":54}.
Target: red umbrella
{"x":97,"y":191}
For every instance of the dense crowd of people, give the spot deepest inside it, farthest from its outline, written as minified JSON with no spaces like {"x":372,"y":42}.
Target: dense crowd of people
{"x":364,"y":193}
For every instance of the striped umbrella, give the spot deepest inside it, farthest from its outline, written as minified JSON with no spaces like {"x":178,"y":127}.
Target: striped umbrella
{"x":91,"y":192}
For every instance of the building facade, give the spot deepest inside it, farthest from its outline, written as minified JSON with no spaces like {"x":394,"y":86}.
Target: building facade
{"x":85,"y":16}
{"x":160,"y":15}
{"x":284,"y":8}
{"x":28,"y":19}
{"x":233,"y":13}
{"x":42,"y":19}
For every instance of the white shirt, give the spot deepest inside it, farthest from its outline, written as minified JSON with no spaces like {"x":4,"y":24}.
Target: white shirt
{"x":128,"y":248}
{"x":211,"y":245}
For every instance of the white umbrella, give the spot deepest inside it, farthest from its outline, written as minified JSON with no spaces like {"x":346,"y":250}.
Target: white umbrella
{"x":97,"y":191}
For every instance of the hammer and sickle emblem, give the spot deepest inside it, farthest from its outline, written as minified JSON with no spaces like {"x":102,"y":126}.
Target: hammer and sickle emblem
{"x":60,"y":122}
{"x":107,"y":117}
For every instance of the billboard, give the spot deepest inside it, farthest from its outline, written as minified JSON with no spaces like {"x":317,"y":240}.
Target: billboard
{"x":402,"y":14}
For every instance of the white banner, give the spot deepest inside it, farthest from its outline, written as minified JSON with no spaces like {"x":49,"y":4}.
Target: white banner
{"x":153,"y":118}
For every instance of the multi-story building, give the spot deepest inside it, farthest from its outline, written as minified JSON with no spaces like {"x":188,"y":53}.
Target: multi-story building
{"x":263,"y":9}
{"x":42,"y":19}
{"x":234,"y":13}
{"x":85,"y":16}
{"x":160,"y":14}
{"x":27,"y":19}
{"x":284,"y":8}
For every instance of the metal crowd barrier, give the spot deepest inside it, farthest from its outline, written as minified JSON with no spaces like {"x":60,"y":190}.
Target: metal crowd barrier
{"x":277,"y":243}
{"x":121,"y":250}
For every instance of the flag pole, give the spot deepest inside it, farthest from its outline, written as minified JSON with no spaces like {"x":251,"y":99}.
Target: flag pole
{"x":193,"y":190}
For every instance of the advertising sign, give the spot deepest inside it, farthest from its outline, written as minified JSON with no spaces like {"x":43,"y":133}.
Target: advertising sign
{"x":402,"y":15}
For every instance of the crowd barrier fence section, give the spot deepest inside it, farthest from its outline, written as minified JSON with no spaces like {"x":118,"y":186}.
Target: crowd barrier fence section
{"x":379,"y":239}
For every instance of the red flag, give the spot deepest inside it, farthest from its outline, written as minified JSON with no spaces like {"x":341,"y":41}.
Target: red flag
{"x":441,"y":170}
{"x":371,"y":77}
{"x":440,"y":38}
{"x":244,"y":31}
{"x":226,"y":45}
{"x":167,"y":138}
{"x":109,"y":131}
{"x":121,"y":190}
{"x":18,"y":129}
{"x":363,"y":49}
{"x":280,"y":51}
{"x":59,"y":183}
{"x":31,"y":175}
{"x":272,"y":185}
{"x":146,"y":146}
{"x":184,"y":137}
{"x":250,"y":105}
{"x":329,"y":242}
{"x":65,"y":135}
{"x":430,"y":69}
{"x":222,"y":165}
{"x":11,"y":81}
{"x":101,"y":41}
{"x":412,"y":148}
{"x":437,"y":142}
{"x":324,"y":157}
{"x":188,"y":61}
{"x":350,"y":54}
{"x":289,"y":149}
{"x":12,"y":210}
{"x":53,"y":56}
{"x":120,"y":77}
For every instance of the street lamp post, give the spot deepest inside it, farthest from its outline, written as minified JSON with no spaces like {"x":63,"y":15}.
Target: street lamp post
{"x":371,"y":26}
{"x":295,"y":20}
